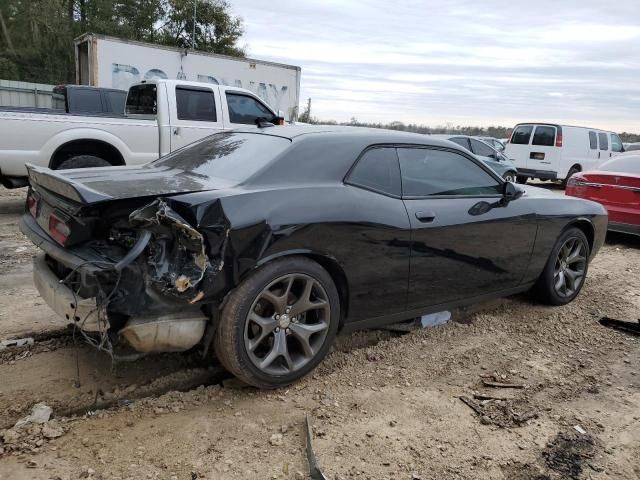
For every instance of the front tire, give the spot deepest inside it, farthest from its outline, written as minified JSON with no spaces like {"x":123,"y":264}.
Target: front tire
{"x":571,"y":173}
{"x":279,"y":323}
{"x":509,"y":177}
{"x":566,"y":269}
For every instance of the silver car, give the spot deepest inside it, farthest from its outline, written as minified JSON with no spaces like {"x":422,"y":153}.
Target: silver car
{"x":496,"y":160}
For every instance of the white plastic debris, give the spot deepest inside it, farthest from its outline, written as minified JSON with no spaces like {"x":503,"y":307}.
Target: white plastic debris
{"x":580,"y":430}
{"x":40,"y":413}
{"x":16,"y":342}
{"x":434,"y":319}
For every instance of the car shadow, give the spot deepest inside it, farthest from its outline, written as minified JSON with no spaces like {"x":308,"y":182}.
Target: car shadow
{"x":623,"y":240}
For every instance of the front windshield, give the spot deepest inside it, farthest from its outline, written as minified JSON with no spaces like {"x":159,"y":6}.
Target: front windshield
{"x":233,"y":156}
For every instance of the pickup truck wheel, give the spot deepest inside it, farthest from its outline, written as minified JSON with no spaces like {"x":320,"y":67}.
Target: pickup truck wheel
{"x":566,"y":269}
{"x":521,"y":179}
{"x":83,"y":161}
{"x":279,"y":323}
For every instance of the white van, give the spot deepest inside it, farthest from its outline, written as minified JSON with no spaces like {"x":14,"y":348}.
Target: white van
{"x":555,"y":152}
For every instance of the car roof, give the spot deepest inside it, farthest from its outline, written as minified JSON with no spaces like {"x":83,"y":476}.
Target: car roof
{"x":357,"y":134}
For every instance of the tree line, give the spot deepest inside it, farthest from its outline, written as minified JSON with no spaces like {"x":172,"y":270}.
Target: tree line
{"x":36,"y":36}
{"x":450,"y":129}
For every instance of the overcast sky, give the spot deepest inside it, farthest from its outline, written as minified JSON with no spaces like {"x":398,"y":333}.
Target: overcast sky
{"x":465,"y":62}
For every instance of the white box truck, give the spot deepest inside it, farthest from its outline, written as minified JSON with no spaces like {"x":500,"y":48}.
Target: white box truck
{"x":109,"y":62}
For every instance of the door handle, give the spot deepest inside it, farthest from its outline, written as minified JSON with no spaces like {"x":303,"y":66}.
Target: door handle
{"x":176,"y":131}
{"x":598,"y":154}
{"x":426,"y":216}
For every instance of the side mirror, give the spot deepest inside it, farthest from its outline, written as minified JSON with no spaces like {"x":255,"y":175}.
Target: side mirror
{"x":279,"y":118}
{"x":511,"y":191}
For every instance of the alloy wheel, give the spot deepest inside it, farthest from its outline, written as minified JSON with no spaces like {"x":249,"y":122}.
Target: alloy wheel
{"x":287,"y":324}
{"x":570,"y":267}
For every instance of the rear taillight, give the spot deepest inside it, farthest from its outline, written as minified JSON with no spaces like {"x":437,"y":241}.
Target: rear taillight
{"x":558,"y":139}
{"x":58,"y":229}
{"x":32,"y":204}
{"x":576,"y":181}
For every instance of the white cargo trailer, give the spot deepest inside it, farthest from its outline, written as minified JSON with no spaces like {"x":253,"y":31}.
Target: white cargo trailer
{"x":109,"y":62}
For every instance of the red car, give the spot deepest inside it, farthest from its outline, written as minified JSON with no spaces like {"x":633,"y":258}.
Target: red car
{"x":616,"y":185}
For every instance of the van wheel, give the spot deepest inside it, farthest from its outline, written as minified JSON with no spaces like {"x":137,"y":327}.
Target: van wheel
{"x":521,"y":179}
{"x":279,"y":323}
{"x":83,"y":161}
{"x":572,"y":172}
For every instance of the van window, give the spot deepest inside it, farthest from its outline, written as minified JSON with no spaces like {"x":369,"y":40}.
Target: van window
{"x":521,"y":135}
{"x":593,"y":141}
{"x":616,"y":143}
{"x":544,"y":136}
{"x":604,"y":143}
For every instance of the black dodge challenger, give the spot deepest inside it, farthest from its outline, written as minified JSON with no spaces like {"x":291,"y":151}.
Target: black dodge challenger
{"x":264,"y":243}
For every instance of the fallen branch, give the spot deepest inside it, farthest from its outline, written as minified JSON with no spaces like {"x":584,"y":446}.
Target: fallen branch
{"x":314,"y":468}
{"x":482,"y":396}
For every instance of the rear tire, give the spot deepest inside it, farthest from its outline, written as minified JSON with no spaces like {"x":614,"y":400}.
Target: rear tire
{"x":521,"y":179}
{"x":566,"y":269}
{"x":572,"y":172}
{"x":83,"y":161}
{"x":271,"y":331}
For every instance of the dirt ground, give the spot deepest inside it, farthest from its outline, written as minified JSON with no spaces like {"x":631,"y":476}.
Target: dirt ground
{"x":383,"y":405}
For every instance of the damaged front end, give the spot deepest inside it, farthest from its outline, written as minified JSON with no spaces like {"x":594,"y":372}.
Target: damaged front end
{"x":155,"y":285}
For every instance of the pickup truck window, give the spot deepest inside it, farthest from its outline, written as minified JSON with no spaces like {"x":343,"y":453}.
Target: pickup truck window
{"x":245,"y":109}
{"x":87,"y":101}
{"x":141,"y":100}
{"x":196,"y":104}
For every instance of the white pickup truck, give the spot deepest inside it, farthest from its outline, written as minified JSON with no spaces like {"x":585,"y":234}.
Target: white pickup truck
{"x":161,"y":116}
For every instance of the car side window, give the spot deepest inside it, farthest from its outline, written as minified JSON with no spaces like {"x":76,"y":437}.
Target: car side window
{"x":196,"y":104}
{"x":604,"y":142}
{"x":616,"y":143}
{"x":245,"y":109}
{"x":378,"y":170}
{"x":428,"y":172}
{"x":463,"y":142}
{"x":593,"y":141}
{"x":521,"y":135}
{"x":482,"y":149}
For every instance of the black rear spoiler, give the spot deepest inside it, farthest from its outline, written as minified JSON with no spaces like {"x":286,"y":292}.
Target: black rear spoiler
{"x":57,"y":183}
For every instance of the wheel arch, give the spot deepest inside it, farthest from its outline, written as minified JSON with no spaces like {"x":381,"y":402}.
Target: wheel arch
{"x":99,"y":148}
{"x":330,"y":264}
{"x":586,"y":227}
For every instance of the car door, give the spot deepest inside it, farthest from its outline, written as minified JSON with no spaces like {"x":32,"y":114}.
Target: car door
{"x":465,"y":240}
{"x":518,"y":149}
{"x":377,"y":254}
{"x":195,"y":113}
{"x":243,"y":109}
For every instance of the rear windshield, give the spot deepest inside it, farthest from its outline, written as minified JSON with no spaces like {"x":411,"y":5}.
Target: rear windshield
{"x":521,"y":135}
{"x":622,"y":164}
{"x":233,"y":156}
{"x":141,"y":100}
{"x":544,"y":136}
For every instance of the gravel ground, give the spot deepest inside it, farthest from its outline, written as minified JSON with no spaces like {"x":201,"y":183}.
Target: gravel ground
{"x":383,"y":405}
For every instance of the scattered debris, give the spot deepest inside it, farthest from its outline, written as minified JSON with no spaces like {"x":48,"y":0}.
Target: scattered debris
{"x":630,"y":327}
{"x":314,"y":468}
{"x":504,"y":413}
{"x":425,"y":321}
{"x":276,"y":439}
{"x":567,"y":452}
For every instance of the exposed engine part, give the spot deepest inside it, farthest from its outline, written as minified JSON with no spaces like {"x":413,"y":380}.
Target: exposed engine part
{"x":177,"y":260}
{"x":165,"y":333}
